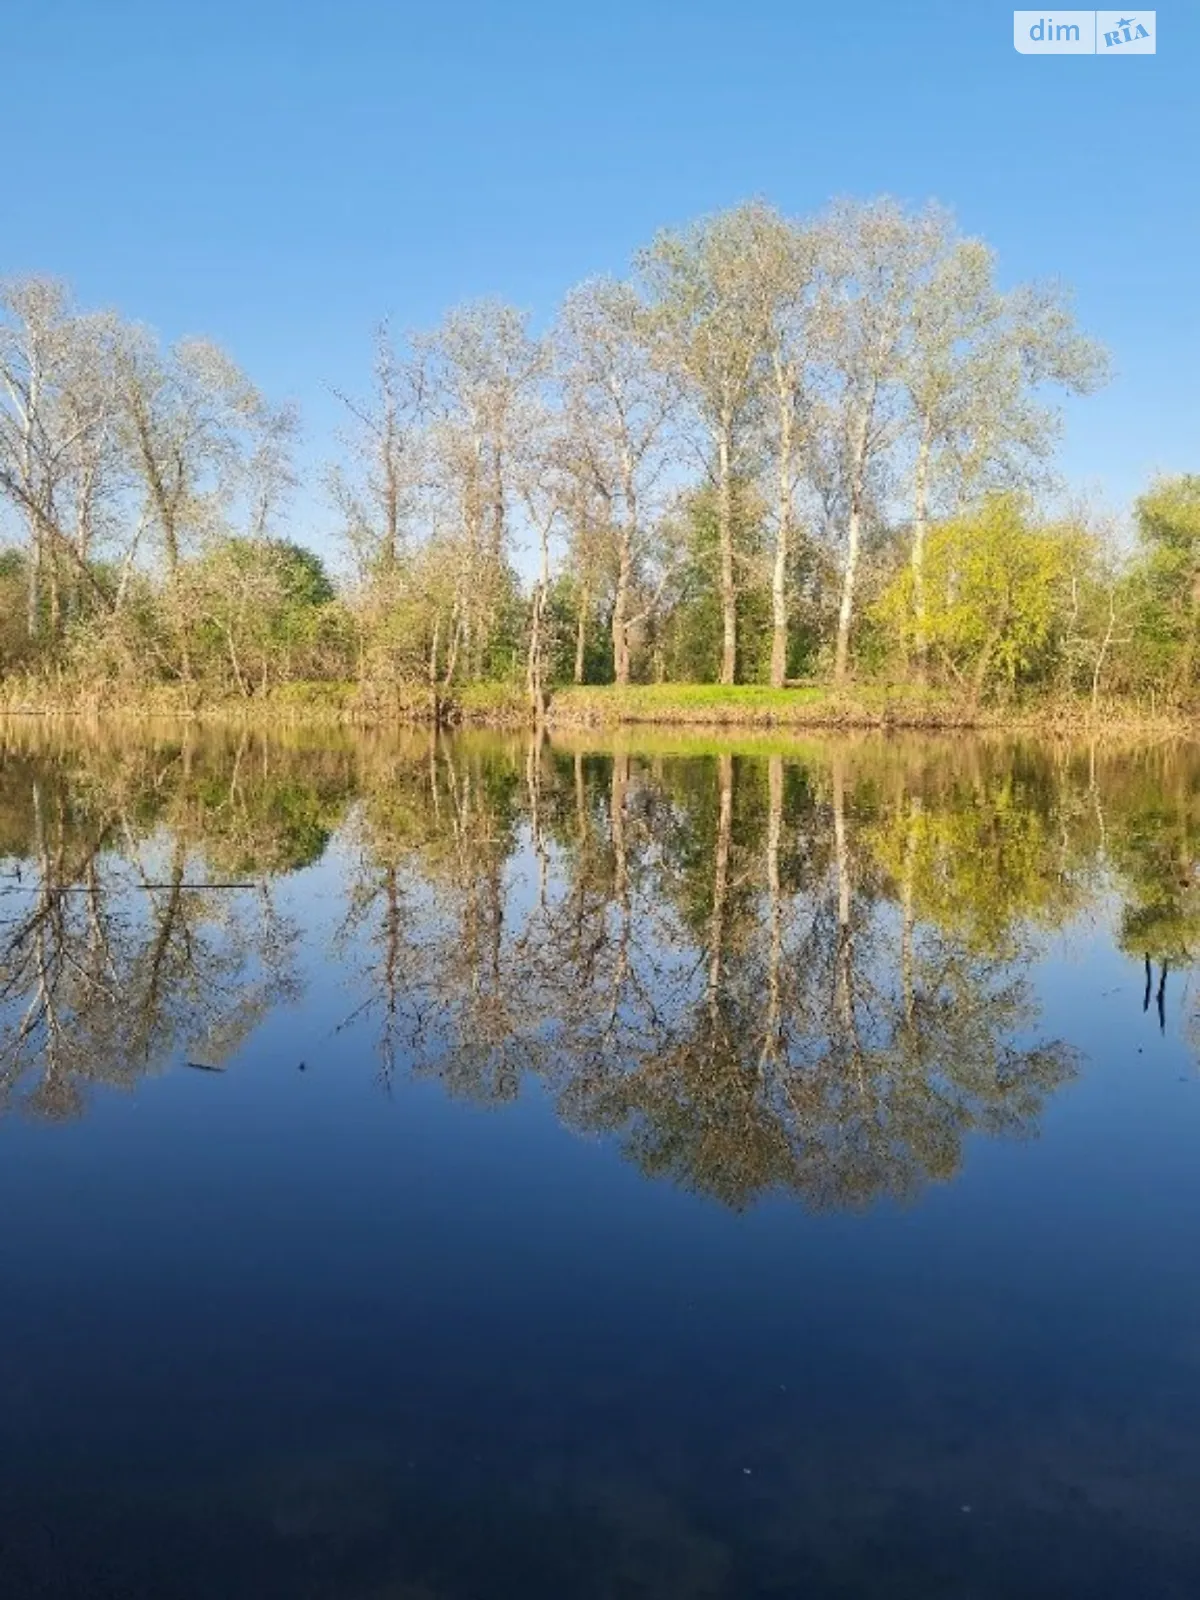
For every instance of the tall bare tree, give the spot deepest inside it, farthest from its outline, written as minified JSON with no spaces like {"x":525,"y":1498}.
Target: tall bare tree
{"x":617,"y":404}
{"x":378,"y":496}
{"x":270,"y":471}
{"x":484,"y":371}
{"x":710,"y":331}
{"x":188,"y":419}
{"x":56,"y":416}
{"x":789,"y":261}
{"x":878,"y":255}
{"x":544,"y":484}
{"x":589,"y":553}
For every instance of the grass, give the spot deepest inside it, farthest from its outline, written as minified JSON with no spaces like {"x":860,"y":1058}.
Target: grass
{"x":319,"y":703}
{"x":752,"y":708}
{"x":756,"y":705}
{"x":496,"y":705}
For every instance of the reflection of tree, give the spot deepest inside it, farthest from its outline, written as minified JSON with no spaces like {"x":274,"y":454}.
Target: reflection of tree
{"x":112,"y":960}
{"x":426,"y":916}
{"x":41,"y":971}
{"x":759,"y":975}
{"x":809,"y":1053}
{"x":1154,"y":852}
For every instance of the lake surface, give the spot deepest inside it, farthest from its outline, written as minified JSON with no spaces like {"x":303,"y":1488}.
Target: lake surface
{"x":446,"y":1169}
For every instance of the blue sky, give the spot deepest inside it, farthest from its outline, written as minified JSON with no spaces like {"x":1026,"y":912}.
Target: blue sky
{"x":280,"y":176}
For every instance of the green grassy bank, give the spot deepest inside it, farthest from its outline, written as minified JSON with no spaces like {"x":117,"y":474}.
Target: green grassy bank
{"x":755,"y":706}
{"x":750,"y":707}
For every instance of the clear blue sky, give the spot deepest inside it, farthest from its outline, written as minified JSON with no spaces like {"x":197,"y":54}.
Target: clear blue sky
{"x":280,"y":175}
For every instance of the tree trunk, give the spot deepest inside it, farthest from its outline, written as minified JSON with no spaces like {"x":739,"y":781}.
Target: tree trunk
{"x":534,"y":669}
{"x":55,"y":595}
{"x":920,"y":527}
{"x":979,"y":677}
{"x":434,"y":645}
{"x":391,"y":493}
{"x":456,"y":633}
{"x":33,"y":592}
{"x":725,"y":531}
{"x":243,"y":688}
{"x":36,"y":535}
{"x":1098,"y":669}
{"x":779,"y":634}
{"x":581,"y":633}
{"x":171,"y":551}
{"x":853,"y":539}
{"x":1183,"y":672}
{"x":846,"y":610}
{"x":625,"y":546}
{"x":537,"y":643}
{"x":620,"y":625}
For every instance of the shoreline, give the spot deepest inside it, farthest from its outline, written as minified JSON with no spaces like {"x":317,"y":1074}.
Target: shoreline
{"x":701,"y":708}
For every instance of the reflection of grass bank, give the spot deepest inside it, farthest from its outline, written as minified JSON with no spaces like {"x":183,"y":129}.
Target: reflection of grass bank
{"x":749,"y":707}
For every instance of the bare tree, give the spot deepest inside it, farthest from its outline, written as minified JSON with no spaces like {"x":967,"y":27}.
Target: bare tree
{"x":484,"y":372}
{"x":270,"y":471}
{"x":589,"y":555}
{"x":617,"y":404}
{"x":789,"y":261}
{"x":56,"y":413}
{"x":378,"y":497}
{"x":544,"y":486}
{"x":710,"y":331}
{"x":188,"y":416}
{"x":878,"y":256}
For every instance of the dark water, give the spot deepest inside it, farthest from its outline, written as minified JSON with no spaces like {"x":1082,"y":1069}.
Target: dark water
{"x":642,"y":1171}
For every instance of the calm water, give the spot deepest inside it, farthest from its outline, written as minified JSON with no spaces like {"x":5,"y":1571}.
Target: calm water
{"x":652,"y":1170}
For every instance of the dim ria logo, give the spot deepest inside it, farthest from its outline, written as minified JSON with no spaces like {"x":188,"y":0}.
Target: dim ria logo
{"x":1084,"y":33}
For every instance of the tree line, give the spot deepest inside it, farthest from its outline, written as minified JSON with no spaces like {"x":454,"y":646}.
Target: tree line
{"x":778,"y":449}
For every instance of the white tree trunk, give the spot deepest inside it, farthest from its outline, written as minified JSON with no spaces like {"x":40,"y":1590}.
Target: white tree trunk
{"x":725,"y":531}
{"x":858,"y":474}
{"x":920,"y":528}
{"x":783,"y":528}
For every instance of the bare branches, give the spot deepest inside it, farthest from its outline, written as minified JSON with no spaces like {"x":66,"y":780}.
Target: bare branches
{"x":760,"y":412}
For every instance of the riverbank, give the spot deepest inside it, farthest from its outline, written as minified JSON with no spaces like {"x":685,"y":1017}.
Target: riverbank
{"x":757,"y":706}
{"x":600,"y":707}
{"x":316,"y":704}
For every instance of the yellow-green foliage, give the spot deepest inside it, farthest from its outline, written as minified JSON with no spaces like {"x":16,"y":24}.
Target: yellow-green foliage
{"x":1163,"y":588}
{"x":997,"y":586}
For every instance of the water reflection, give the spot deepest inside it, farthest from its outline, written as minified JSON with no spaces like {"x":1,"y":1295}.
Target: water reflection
{"x":802,"y":970}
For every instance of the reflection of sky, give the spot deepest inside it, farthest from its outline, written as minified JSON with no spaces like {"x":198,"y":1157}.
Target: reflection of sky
{"x":214,"y":1281}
